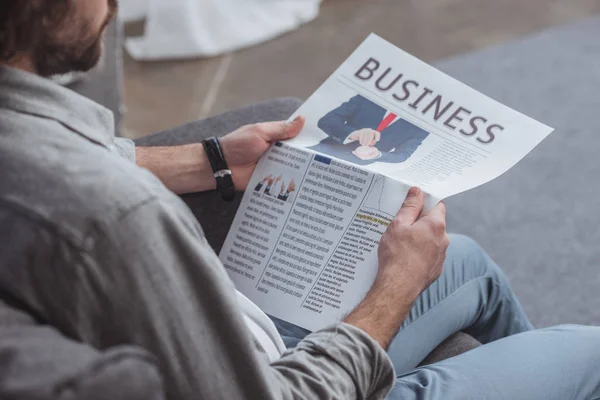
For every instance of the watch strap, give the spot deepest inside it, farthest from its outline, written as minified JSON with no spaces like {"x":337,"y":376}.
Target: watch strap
{"x":221,"y":171}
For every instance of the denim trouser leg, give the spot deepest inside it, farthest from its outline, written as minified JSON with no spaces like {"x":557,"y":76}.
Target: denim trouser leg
{"x":560,"y":363}
{"x":473,"y":295}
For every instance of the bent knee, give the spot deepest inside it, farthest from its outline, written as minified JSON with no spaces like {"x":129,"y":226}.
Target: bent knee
{"x":466,"y":249}
{"x":464,"y":243}
{"x":466,"y":254}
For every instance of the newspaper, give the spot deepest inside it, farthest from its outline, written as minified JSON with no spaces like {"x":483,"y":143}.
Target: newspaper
{"x":303,"y":245}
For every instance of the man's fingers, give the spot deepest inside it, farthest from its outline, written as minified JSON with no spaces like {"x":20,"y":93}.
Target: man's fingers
{"x":367,"y":137}
{"x":412,"y":207}
{"x":373,"y":141}
{"x":376,"y":138}
{"x":364,"y":140}
{"x":439,"y":211}
{"x":276,"y":131}
{"x":437,"y":217}
{"x":372,"y":137}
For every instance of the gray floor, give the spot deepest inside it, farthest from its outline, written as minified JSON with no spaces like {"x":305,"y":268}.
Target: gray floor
{"x":541,"y":221}
{"x":164,"y":94}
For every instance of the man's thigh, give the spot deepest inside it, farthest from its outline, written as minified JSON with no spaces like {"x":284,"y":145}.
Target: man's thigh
{"x":560,"y":363}
{"x":472,"y":295}
{"x":215,"y":215}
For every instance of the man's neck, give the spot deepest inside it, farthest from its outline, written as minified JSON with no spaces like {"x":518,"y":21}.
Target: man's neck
{"x":20,"y":61}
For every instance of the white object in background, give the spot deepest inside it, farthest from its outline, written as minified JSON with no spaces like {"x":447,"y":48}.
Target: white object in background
{"x":196,"y":28}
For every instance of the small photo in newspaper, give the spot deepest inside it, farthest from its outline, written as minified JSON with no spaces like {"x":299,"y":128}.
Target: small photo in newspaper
{"x":363,"y":132}
{"x":281,"y":186}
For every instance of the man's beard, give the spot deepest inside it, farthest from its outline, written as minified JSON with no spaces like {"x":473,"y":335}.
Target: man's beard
{"x":80,"y":53}
{"x":57,"y":59}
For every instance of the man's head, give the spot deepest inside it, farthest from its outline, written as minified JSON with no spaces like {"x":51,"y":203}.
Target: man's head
{"x":53,"y":36}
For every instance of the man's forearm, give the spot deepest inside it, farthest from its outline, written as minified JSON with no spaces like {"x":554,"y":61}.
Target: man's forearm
{"x":382,"y":312}
{"x":183,"y":169}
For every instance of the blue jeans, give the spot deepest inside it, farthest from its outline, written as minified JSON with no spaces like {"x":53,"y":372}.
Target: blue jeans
{"x":516,"y":362}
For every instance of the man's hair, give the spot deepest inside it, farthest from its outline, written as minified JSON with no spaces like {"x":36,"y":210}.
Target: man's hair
{"x":24,"y":22}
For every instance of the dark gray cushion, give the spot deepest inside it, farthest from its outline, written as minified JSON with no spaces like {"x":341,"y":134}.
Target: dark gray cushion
{"x":455,"y":345}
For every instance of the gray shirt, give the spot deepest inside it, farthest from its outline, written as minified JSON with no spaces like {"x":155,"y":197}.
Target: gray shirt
{"x":100,"y":249}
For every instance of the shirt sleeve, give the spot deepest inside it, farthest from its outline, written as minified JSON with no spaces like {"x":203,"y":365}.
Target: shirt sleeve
{"x":125,"y":148}
{"x":159,"y":285}
{"x":336,"y":124}
{"x":348,"y":140}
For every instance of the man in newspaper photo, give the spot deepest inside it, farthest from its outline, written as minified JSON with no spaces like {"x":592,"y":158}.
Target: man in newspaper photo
{"x":108,"y":282}
{"x":363,"y":132}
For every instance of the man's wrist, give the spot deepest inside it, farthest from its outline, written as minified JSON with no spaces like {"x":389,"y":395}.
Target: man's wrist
{"x":220,"y":168}
{"x":197,"y":175}
{"x":183,"y":169}
{"x":382,"y":312}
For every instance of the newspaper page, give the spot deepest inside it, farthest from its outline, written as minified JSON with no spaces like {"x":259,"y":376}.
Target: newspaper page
{"x":303,"y":245}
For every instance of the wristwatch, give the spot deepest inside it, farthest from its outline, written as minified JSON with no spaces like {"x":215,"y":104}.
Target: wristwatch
{"x":221,"y":172}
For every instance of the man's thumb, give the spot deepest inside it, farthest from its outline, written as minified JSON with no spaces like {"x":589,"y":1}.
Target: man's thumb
{"x":412,"y":207}
{"x":275,"y":131}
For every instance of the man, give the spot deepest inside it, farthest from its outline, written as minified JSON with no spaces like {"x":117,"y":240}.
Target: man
{"x":363,"y":132}
{"x":100,"y":248}
{"x":260,"y":184}
{"x":284,"y":193}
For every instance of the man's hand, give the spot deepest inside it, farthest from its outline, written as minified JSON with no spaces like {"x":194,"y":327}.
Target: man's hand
{"x":266,"y":179}
{"x":366,"y":152}
{"x":411,"y":256}
{"x":366,"y":136}
{"x":243,"y":147}
{"x":186,"y":169}
{"x":279,"y":178}
{"x":413,"y":246}
{"x":292,"y":186}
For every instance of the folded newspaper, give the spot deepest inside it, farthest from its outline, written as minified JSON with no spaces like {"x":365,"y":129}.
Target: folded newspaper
{"x":303,"y":245}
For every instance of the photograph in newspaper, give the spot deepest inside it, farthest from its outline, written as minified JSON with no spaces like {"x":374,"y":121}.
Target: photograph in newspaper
{"x":395,"y":115}
{"x":303,"y":245}
{"x":362,"y":132}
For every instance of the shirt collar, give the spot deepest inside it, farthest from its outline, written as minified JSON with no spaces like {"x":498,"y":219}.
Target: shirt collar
{"x":31,"y":94}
